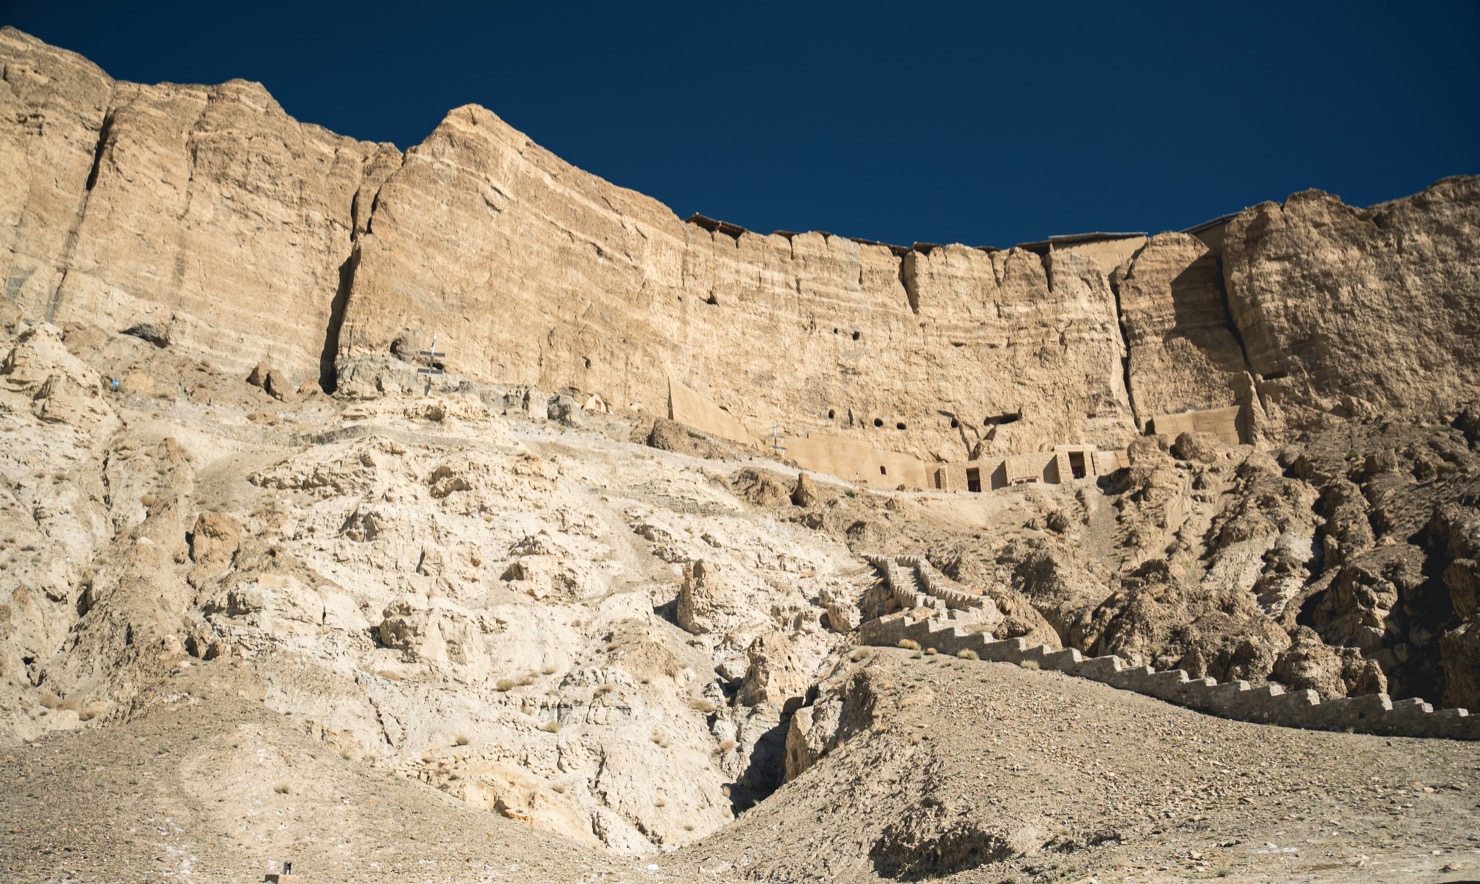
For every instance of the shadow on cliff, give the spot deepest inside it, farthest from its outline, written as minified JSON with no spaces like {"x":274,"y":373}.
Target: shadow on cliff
{"x":328,"y":380}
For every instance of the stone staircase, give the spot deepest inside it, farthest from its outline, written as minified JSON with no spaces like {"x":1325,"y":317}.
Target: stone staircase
{"x":915,"y":583}
{"x":940,"y":628}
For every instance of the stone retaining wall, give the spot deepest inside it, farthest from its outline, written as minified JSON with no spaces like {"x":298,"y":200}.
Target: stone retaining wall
{"x":1266,"y":704}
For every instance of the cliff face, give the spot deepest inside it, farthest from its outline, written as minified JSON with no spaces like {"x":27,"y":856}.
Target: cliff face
{"x":242,"y":235}
{"x":205,"y":212}
{"x":531,"y":271}
{"x":1183,"y":353}
{"x":1373,"y":311}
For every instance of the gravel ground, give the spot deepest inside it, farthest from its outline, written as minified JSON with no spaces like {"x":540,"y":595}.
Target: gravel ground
{"x":970,"y":771}
{"x":208,"y":786}
{"x":1056,"y":778}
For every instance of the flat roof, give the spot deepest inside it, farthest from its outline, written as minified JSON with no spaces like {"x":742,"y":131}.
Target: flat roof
{"x":1211,"y":223}
{"x":1068,"y":239}
{"x":714,"y":225}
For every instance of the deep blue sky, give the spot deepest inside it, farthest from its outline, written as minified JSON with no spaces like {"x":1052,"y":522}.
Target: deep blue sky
{"x":932,"y":122}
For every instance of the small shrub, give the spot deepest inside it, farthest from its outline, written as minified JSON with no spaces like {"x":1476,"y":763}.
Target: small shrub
{"x":551,"y":727}
{"x":528,"y":678}
{"x":505,"y":684}
{"x":660,"y":740}
{"x":549,"y":669}
{"x":931,"y":652}
{"x":558,"y":788}
{"x":1029,"y":664}
{"x":968,"y":654}
{"x":281,"y":788}
{"x":917,"y":655}
{"x":860,"y":654}
{"x":725,"y":746}
{"x":909,"y":644}
{"x":660,"y":802}
{"x":605,"y":689}
{"x":702,"y":705}
{"x":389,"y":675}
{"x":462,"y":740}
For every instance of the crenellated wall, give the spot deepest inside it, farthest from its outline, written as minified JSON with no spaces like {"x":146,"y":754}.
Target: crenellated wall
{"x":1265,"y":704}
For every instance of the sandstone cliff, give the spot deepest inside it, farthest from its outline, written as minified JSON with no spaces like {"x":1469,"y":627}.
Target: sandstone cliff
{"x":1363,"y":311}
{"x":207,"y":219}
{"x":206,"y":213}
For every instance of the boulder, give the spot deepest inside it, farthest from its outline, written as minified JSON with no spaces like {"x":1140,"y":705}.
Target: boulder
{"x":214,"y":541}
{"x":775,"y":674}
{"x":1197,"y":447}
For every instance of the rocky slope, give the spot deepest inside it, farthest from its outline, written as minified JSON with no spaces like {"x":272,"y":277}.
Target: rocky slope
{"x":611,"y":641}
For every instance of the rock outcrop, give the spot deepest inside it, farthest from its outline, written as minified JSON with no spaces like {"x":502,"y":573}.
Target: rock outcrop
{"x":1183,"y":353}
{"x":1368,"y":311}
{"x":205,"y":212}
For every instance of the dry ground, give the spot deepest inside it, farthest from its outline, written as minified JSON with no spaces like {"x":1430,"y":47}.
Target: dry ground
{"x":1063,"y":779}
{"x":997,"y":772}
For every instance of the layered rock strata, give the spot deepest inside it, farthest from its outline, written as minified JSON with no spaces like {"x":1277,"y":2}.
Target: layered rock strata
{"x":209,"y":220}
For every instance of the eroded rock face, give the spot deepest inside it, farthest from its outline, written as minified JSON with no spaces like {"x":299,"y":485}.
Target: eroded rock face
{"x":204,"y":213}
{"x":556,"y":237}
{"x":1310,"y":663}
{"x":1183,"y":353}
{"x":206,"y":219}
{"x":1355,"y":308}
